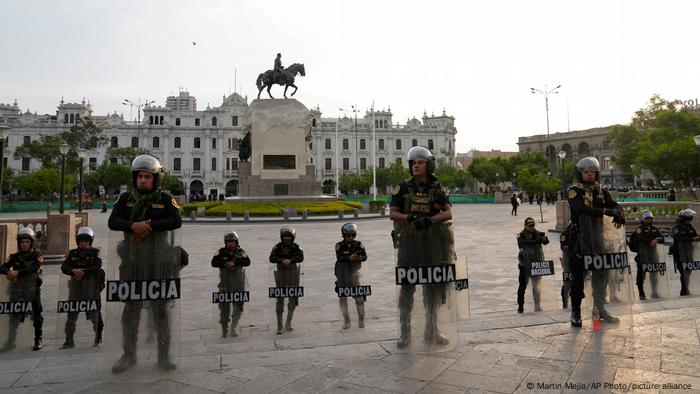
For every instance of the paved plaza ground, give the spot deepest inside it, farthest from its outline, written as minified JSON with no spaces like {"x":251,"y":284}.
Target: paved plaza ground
{"x":498,"y":350}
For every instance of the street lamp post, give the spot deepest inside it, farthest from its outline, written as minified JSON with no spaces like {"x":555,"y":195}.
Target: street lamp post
{"x":65,"y":148}
{"x":138,"y":106}
{"x":546,"y":94}
{"x":81,"y":153}
{"x":612,"y":178}
{"x":562,"y":156}
{"x":4,"y":131}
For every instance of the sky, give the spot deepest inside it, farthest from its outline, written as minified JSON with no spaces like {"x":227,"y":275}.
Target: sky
{"x":475,"y":60}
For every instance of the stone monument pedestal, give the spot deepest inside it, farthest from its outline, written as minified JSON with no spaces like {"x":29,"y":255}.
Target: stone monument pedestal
{"x":278,"y":162}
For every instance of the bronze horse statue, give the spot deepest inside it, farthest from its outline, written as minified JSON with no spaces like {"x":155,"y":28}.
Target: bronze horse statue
{"x":286,"y":78}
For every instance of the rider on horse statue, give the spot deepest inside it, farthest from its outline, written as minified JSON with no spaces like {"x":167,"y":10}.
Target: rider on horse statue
{"x":278,"y":69}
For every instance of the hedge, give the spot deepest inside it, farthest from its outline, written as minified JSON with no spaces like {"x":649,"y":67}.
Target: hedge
{"x":276,"y":209}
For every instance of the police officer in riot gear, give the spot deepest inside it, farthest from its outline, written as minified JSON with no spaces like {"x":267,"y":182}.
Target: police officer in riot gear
{"x":286,"y":254}
{"x":144,"y":215}
{"x":683,"y":237}
{"x":84,"y":265}
{"x":643,"y":241}
{"x":564,"y":241}
{"x":421,"y":211}
{"x":589,"y":202}
{"x":23,"y":270}
{"x":230,"y":260}
{"x":530,"y":243}
{"x":350,"y":253}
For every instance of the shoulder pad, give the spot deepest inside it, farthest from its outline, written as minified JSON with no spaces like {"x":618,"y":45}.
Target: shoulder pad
{"x":639,"y":230}
{"x":675,"y":230}
{"x":572,"y":193}
{"x":337,"y":246}
{"x":396,"y":190}
{"x":518,"y":236}
{"x":562,"y":237}
{"x":359,"y":245}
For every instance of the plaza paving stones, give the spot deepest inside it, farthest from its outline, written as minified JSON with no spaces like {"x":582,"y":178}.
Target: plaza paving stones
{"x":499,"y":351}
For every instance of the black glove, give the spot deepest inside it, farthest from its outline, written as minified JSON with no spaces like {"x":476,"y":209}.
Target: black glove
{"x":614,"y":212}
{"x":411,"y":218}
{"x":423,"y":222}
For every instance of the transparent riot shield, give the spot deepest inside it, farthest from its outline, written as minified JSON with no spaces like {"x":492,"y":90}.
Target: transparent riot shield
{"x":354,"y":291}
{"x":537,"y":274}
{"x":229,"y":298}
{"x":566,"y":280}
{"x":17,"y":312}
{"x":608,"y":281}
{"x":462,"y":287}
{"x":143,"y":307}
{"x":79,"y":310}
{"x":688,"y":267}
{"x":425,"y":278}
{"x":285,"y":291}
{"x":651,"y":270}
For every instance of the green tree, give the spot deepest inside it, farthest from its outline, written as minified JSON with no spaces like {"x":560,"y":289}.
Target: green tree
{"x":41,"y":183}
{"x":659,"y":139}
{"x":125,"y":155}
{"x":116,"y":175}
{"x":451,"y":176}
{"x":486,"y":171}
{"x":173,"y":185}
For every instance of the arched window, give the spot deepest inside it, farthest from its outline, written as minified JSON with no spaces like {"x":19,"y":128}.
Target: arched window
{"x":197,"y":143}
{"x":430,"y":145}
{"x":398,"y":144}
{"x":413,"y":143}
{"x":150,"y":119}
{"x":72,"y":118}
{"x":115,"y":142}
{"x":213,"y":143}
{"x":65,"y":118}
{"x":346,"y":144}
{"x":214,"y":121}
{"x":134,"y":142}
{"x":161,"y":120}
{"x":156,"y":142}
{"x":27,"y":140}
{"x":363,"y":144}
{"x":381,"y":143}
{"x":313,"y":122}
{"x":328,"y":144}
{"x":178,"y":142}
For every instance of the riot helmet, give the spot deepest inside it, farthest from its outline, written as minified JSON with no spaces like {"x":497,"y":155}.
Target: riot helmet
{"x":150,"y":164}
{"x":348,"y":229}
{"x":26,"y":233}
{"x":587,"y":163}
{"x":421,"y":152}
{"x":231,"y":236}
{"x":686,"y":214}
{"x":646,"y":214}
{"x":288,"y":231}
{"x":85,"y":233}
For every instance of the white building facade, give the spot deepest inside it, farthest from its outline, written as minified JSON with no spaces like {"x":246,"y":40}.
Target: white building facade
{"x":201,"y":147}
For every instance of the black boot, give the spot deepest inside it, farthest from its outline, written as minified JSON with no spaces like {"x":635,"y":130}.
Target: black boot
{"x":38,"y":342}
{"x":98,"y":334}
{"x":346,"y":315}
{"x":607,"y":317}
{"x":126,"y":361}
{"x":576,"y":319}
{"x":405,"y":335}
{"x":280,"y":328}
{"x":224,"y":330}
{"x":288,"y":323}
{"x":69,"y":343}
{"x":642,"y":296}
{"x":520,"y":308}
{"x":165,"y":364}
